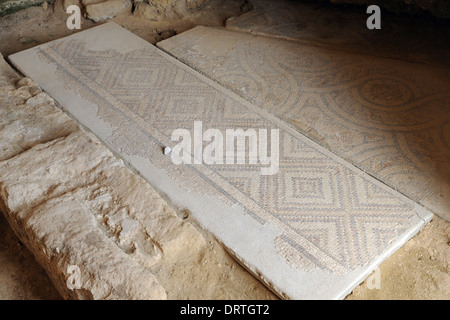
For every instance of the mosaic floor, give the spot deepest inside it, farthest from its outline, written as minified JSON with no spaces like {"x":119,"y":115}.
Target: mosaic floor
{"x":390,"y":118}
{"x":313,"y":229}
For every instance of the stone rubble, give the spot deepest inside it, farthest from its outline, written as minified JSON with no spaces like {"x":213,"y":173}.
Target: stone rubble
{"x":100,"y":11}
{"x":153,"y":10}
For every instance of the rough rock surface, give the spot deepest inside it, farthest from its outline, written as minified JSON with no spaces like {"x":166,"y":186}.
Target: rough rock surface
{"x":154,"y":10}
{"x":80,"y":258}
{"x":438,"y":8}
{"x":28,"y":116}
{"x":42,"y":195}
{"x":36,"y":120}
{"x":95,"y":226}
{"x":67,"y":3}
{"x":11,"y":6}
{"x":158,"y":10}
{"x":21,"y":276}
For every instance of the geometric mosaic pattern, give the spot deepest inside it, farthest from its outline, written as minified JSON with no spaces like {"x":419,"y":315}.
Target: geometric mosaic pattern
{"x":389,"y":118}
{"x":333,"y":217}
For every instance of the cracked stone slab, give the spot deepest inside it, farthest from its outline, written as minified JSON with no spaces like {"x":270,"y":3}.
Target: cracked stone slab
{"x":315,"y":229}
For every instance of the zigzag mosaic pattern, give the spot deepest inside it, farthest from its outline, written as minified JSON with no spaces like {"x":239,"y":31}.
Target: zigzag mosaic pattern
{"x":333,"y":216}
{"x":387,"y":117}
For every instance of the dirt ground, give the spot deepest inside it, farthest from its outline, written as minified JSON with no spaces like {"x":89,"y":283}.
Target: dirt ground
{"x":418,"y":270}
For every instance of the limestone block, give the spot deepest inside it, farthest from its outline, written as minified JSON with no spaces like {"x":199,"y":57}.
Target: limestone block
{"x":78,"y":208}
{"x":439,"y":8}
{"x":88,"y":2}
{"x":195,"y":4}
{"x":136,"y":218}
{"x":51,"y":169}
{"x":29,"y":117}
{"x":80,"y":259}
{"x":149,"y":12}
{"x":157,"y":10}
{"x":125,"y":191}
{"x":106,"y":10}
